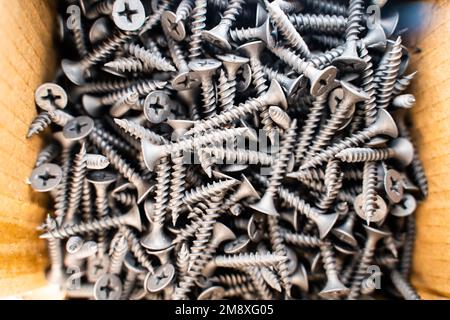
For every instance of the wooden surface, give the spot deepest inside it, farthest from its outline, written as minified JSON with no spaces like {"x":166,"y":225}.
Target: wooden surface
{"x":26,"y":57}
{"x":26,"y":61}
{"x":432,"y":122}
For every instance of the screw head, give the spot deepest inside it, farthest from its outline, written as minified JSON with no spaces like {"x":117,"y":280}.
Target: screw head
{"x":46,"y":177}
{"x":128,"y":15}
{"x":212,"y":293}
{"x":379,"y":214}
{"x":393,"y":185}
{"x":322,"y":80}
{"x":244,"y":78}
{"x":237,"y":245}
{"x":218,"y":36}
{"x":159,"y":280}
{"x":101,"y":177}
{"x":100,"y":30}
{"x":185,"y":81}
{"x":131,"y":264}
{"x":78,"y":128}
{"x":405,"y":207}
{"x":204,"y":66}
{"x":157,"y":106}
{"x":254,"y":228}
{"x":172,"y":26}
{"x":108,"y":287}
{"x":50,"y":96}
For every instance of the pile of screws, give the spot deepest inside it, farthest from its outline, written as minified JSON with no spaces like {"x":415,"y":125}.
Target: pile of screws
{"x":229,"y":149}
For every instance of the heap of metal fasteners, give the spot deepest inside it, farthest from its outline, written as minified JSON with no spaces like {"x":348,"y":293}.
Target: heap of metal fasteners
{"x":163,"y":185}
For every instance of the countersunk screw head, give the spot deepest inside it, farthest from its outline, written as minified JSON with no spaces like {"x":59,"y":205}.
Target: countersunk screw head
{"x":128,"y":15}
{"x":405,"y":207}
{"x":101,"y":177}
{"x":322,"y":80}
{"x":157,"y":106}
{"x":393,"y":185}
{"x":159,"y":280}
{"x":237,"y":245}
{"x":108,"y":287}
{"x":50,"y":96}
{"x":212,"y":293}
{"x":380,"y":212}
{"x":185,"y":81}
{"x":131,"y":264}
{"x":74,"y":71}
{"x":78,"y":128}
{"x":46,"y":177}
{"x":232,"y":62}
{"x":244,"y":78}
{"x":254,"y":228}
{"x":172,"y":26}
{"x":204,"y":66}
{"x":218,"y":36}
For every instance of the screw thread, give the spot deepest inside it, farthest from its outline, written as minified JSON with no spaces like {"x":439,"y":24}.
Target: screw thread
{"x":197,"y":26}
{"x":119,"y":247}
{"x":327,"y":41}
{"x":48,"y":153}
{"x":119,"y":163}
{"x":318,"y":23}
{"x":184,"y":10}
{"x":143,"y":88}
{"x":281,"y":162}
{"x":100,"y":8}
{"x":116,"y":142}
{"x":329,"y":261}
{"x":238,"y":156}
{"x":258,"y":282}
{"x":227,"y":91}
{"x":324,"y":136}
{"x":327,"y":7}
{"x":367,"y":83}
{"x":178,"y":55}
{"x":402,"y":84}
{"x":280,"y":117}
{"x":208,"y":98}
{"x":369,"y":189}
{"x":125,"y":198}
{"x":303,"y":240}
{"x":295,"y":202}
{"x":39,"y":123}
{"x":76,"y":183}
{"x":96,"y":161}
{"x":139,"y":131}
{"x":322,"y":60}
{"x":355,"y":17}
{"x":161,"y":192}
{"x":204,"y":192}
{"x":136,"y":248}
{"x":309,"y":127}
{"x":154,"y":19}
{"x":279,"y":248}
{"x":359,"y":275}
{"x":242,"y":260}
{"x":243,"y":34}
{"x":364,"y":154}
{"x":239,"y":291}
{"x":333,"y":183}
{"x":79,"y":35}
{"x":408,"y":248}
{"x":231,"y":279}
{"x":406,"y":290}
{"x":389,"y":75}
{"x":149,"y":58}
{"x":62,"y":191}
{"x":182,"y":261}
{"x":86,"y":202}
{"x":60,"y":117}
{"x":123,"y":65}
{"x":128,"y":285}
{"x":105,"y":86}
{"x":233,"y":10}
{"x":287,"y":29}
{"x":177,"y":185}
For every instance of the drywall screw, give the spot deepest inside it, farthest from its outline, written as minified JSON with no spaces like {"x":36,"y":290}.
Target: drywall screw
{"x":345,"y":231}
{"x":119,"y":248}
{"x":205,"y":69}
{"x":219,"y":34}
{"x":156,"y":239}
{"x":373,"y":236}
{"x":318,"y":23}
{"x":265,"y":32}
{"x":271,"y":279}
{"x":152,"y":20}
{"x":384,"y":125}
{"x":294,"y":88}
{"x":96,"y":161}
{"x":48,"y":154}
{"x":182,"y":262}
{"x":266,"y":204}
{"x":77,"y":29}
{"x":149,"y":58}
{"x":259,"y":283}
{"x":77,"y":71}
{"x":401,"y":150}
{"x":227,"y":88}
{"x":39,"y":124}
{"x":327,"y":7}
{"x":302,"y":240}
{"x":50,"y":96}
{"x":333,"y":183}
{"x":131,"y":218}
{"x":173,"y":23}
{"x":406,"y":255}
{"x":136,"y":248}
{"x":46,"y":177}
{"x":135,"y":130}
{"x":198,"y":24}
{"x":323,"y":222}
{"x":405,"y":289}
{"x":279,"y":117}
{"x":402,"y":83}
{"x":351,"y":96}
{"x":152,"y":153}
{"x":274,"y":96}
{"x":320,"y":80}
{"x":76,"y":183}
{"x":122,"y":65}
{"x":334,"y":288}
{"x":120,"y":164}
{"x":287,"y":29}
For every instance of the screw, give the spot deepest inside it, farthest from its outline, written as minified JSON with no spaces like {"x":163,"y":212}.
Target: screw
{"x":173,"y":23}
{"x":50,"y":96}
{"x":108,"y":287}
{"x":46,"y":177}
